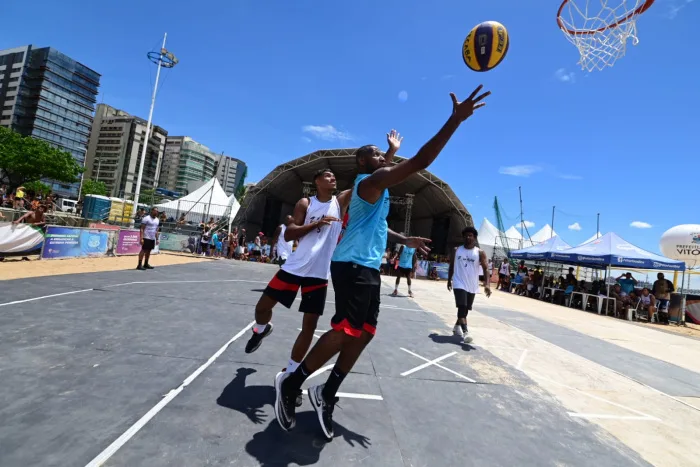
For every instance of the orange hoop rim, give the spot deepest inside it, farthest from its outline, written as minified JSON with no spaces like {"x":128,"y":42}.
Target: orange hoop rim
{"x":640,"y":9}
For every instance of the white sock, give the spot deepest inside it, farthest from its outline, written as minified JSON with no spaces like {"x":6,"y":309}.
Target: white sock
{"x":259,"y":328}
{"x":292,"y":366}
{"x":409,"y":289}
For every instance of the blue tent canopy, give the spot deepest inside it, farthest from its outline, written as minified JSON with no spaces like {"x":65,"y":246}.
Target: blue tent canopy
{"x":542,"y":251}
{"x":612,"y":250}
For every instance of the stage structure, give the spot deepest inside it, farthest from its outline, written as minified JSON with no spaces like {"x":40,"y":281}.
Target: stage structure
{"x":423,"y":205}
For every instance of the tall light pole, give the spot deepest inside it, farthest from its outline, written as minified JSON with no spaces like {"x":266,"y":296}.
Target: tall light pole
{"x":162,"y":59}
{"x":82,"y":175}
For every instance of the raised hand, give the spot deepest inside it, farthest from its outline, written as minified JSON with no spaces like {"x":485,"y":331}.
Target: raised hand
{"x":394,"y":139}
{"x":463,"y":110}
{"x":419,"y":244}
{"x":326,"y":220}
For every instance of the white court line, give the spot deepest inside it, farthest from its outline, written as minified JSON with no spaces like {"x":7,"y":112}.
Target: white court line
{"x":642,"y":414}
{"x":45,"y":296}
{"x":519,"y":366}
{"x":347,"y":395}
{"x":533,"y":337}
{"x":136,"y":427}
{"x":425,"y":365}
{"x":439,"y":366}
{"x":593,"y":416}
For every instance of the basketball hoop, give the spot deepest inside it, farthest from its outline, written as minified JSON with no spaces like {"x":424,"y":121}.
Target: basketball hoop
{"x":600,"y":29}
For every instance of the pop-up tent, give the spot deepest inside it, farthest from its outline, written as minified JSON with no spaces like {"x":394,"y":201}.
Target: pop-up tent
{"x":542,"y":251}
{"x":209,"y":200}
{"x":544,"y":234}
{"x":611,"y":250}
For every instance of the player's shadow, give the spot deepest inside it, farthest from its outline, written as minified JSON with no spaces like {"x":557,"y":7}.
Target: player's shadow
{"x":454,"y":340}
{"x":272,"y":446}
{"x":257,"y":290}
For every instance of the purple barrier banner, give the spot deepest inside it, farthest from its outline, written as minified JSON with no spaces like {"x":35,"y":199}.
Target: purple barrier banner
{"x":129,"y":242}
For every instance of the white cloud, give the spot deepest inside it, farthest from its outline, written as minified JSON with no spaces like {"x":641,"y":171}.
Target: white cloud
{"x":519,"y":170}
{"x":575,"y":226}
{"x":565,"y":76}
{"x":528,"y":224}
{"x":306,"y":139}
{"x":676,"y":8}
{"x":327,"y":133}
{"x":640,"y":225}
{"x":570,"y":177}
{"x":403,"y":96}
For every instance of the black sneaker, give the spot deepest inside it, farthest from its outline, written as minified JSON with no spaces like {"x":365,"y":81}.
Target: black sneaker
{"x":285,"y":411}
{"x":323,"y":409}
{"x":148,"y":266}
{"x":256,"y":339}
{"x":140,"y":268}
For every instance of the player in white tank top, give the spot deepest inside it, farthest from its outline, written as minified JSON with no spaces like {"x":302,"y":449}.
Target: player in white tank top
{"x":466,"y":263}
{"x":316,"y":225}
{"x":283,"y":248}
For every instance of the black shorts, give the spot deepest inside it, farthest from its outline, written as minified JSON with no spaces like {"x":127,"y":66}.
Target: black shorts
{"x":405,"y":272}
{"x":481,"y":278}
{"x":357,"y":291}
{"x":463,"y":298}
{"x":284,"y":287}
{"x":148,"y":244}
{"x":501,"y":275}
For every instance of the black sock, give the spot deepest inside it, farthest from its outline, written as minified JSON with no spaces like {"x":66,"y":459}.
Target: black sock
{"x":464,"y":327}
{"x":333,"y":383}
{"x":296,"y":379}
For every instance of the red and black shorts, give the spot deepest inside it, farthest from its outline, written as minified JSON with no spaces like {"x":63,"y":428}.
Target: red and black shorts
{"x":357,"y":290}
{"x":284,"y":287}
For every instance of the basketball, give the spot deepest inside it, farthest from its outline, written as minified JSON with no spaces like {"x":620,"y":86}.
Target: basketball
{"x":485,"y":46}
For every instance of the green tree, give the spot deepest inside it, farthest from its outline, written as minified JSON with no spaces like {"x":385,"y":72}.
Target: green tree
{"x":25,"y":159}
{"x":93,"y":187}
{"x":242,"y":190}
{"x":38,"y":188}
{"x":150,"y":197}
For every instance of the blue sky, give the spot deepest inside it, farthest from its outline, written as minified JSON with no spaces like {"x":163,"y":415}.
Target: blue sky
{"x":271,"y":81}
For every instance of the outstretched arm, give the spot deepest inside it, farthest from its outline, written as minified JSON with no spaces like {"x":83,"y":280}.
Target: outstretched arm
{"x":371,"y":187}
{"x":418,"y":243}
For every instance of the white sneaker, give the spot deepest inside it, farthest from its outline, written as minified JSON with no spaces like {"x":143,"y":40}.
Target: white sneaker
{"x":467,"y":338}
{"x":457,"y":331}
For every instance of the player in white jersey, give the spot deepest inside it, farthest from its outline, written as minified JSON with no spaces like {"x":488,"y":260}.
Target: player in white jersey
{"x":282,"y":248}
{"x":466,"y":264}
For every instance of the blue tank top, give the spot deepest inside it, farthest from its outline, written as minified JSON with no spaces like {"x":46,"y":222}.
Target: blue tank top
{"x":364,"y":240}
{"x":406,"y":259}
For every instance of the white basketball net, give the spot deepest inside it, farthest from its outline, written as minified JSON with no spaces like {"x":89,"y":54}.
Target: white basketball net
{"x":600,"y":49}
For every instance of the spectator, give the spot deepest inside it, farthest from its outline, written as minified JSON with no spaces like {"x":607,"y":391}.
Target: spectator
{"x":35,"y":218}
{"x":20,"y":194}
{"x":206,"y":238}
{"x":627,"y":283}
{"x":662,"y":290}
{"x":647,"y":303}
{"x":570,"y":278}
{"x":503,"y":273}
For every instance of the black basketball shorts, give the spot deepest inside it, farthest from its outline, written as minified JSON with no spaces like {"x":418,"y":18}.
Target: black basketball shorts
{"x":405,"y":272}
{"x":284,"y":288}
{"x":148,"y":244}
{"x":357,"y":290}
{"x":463,"y":299}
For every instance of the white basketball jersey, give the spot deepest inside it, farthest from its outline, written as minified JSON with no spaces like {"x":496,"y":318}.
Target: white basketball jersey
{"x":466,"y":270}
{"x":284,"y":249}
{"x":312,"y":257}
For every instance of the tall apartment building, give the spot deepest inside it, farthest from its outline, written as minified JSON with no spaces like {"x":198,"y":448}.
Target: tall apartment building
{"x":50,"y":96}
{"x":230,"y":172}
{"x":185,"y":161}
{"x":114,"y":151}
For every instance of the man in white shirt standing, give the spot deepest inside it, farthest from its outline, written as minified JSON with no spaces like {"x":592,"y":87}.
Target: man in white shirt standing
{"x":466,"y":263}
{"x":150,"y":237}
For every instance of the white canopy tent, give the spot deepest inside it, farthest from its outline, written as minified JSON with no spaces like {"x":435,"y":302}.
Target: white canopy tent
{"x":594,"y":237}
{"x":209,"y":200}
{"x":543,"y":235}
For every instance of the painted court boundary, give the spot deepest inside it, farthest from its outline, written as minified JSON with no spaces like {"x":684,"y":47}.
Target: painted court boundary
{"x":136,"y":427}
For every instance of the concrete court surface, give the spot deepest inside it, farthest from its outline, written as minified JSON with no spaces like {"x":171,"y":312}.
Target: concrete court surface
{"x":147,"y":368}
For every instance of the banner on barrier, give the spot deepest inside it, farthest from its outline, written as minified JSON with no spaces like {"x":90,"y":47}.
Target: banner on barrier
{"x":442,"y":269}
{"x":422,"y":268}
{"x":19,"y":238}
{"x":175,"y":242}
{"x":101,"y":226}
{"x":128,"y":242}
{"x":71,"y":242}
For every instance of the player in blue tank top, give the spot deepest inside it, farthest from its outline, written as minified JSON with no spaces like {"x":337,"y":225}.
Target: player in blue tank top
{"x":407,"y":264}
{"x":355,"y":270}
